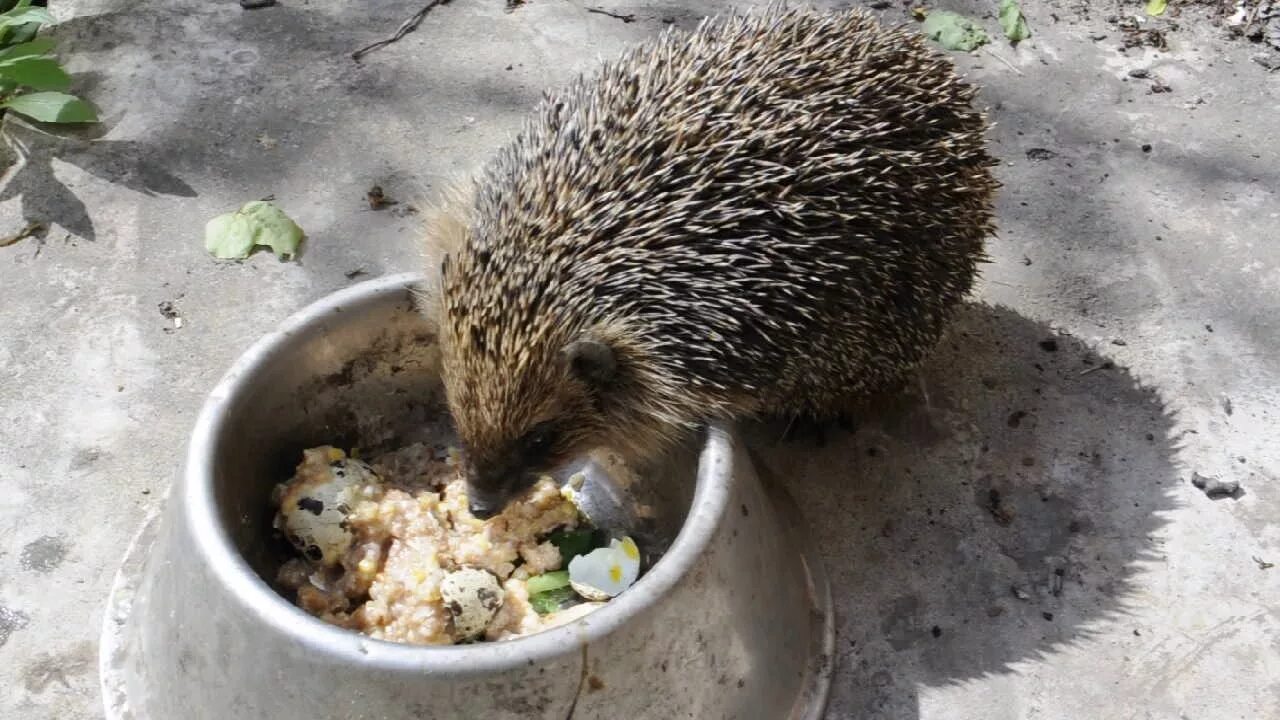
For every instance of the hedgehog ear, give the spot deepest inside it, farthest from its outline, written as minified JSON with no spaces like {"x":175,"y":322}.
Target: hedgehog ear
{"x":591,"y":360}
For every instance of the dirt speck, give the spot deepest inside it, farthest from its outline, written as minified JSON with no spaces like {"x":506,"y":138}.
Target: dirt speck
{"x":378,"y":199}
{"x":995,"y":504}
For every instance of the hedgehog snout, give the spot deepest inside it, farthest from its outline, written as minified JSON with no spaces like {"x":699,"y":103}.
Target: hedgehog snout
{"x":490,"y":487}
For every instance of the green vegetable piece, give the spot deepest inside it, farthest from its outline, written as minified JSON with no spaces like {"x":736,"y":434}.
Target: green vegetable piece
{"x":539,"y":584}
{"x":36,"y":72}
{"x":1156,"y":7}
{"x":573,"y":543}
{"x":35,"y":48}
{"x":273,"y":228}
{"x":54,"y":107}
{"x":954,"y":31}
{"x":234,"y":236}
{"x":1012,"y":22}
{"x":228,"y":237}
{"x":551,"y":601}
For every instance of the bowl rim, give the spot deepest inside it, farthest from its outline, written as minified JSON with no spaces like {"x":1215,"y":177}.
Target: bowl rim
{"x":214,"y":547}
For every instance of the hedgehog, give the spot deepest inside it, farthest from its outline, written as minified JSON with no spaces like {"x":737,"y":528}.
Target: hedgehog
{"x":773,"y":215}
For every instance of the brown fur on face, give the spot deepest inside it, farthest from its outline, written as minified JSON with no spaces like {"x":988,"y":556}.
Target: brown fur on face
{"x":524,"y":409}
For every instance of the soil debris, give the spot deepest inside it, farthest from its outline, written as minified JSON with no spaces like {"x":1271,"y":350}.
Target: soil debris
{"x":378,"y":199}
{"x":1215,"y":488}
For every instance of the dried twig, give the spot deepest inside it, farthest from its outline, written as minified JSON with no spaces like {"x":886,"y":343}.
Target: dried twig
{"x":1001,"y":59}
{"x":1104,"y":366}
{"x":405,"y":28}
{"x":32,"y":229}
{"x":614,"y":15}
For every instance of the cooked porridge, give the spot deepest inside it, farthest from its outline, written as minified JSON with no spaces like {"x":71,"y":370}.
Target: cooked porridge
{"x":390,"y":549}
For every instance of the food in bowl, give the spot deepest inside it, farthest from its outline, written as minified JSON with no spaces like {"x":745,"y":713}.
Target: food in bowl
{"x":389,"y":548}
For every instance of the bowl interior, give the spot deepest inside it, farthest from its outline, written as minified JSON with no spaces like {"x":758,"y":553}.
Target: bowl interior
{"x":363,"y":372}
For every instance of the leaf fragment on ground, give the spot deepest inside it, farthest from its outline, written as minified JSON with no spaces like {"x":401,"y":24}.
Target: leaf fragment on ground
{"x":54,"y":107}
{"x":954,"y":31}
{"x":234,"y":236}
{"x":1013,"y":22}
{"x":1156,"y":7}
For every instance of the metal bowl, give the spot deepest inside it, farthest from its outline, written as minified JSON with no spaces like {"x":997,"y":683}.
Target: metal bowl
{"x":731,"y":620}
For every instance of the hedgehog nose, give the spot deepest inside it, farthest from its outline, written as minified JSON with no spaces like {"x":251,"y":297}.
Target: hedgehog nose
{"x":481,"y":509}
{"x":483,"y":503}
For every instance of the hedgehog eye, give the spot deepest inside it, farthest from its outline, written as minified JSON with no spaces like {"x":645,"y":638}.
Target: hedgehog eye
{"x":539,"y":441}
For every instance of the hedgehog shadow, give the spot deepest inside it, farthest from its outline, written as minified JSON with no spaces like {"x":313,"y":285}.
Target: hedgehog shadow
{"x":995,"y":515}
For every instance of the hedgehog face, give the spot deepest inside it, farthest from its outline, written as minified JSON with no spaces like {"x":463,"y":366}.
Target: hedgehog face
{"x":517,"y":427}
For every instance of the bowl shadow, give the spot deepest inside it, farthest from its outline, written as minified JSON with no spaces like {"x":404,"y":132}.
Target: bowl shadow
{"x":998,"y":510}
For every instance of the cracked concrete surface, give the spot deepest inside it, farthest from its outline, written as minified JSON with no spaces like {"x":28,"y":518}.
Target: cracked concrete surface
{"x":1016,"y":539}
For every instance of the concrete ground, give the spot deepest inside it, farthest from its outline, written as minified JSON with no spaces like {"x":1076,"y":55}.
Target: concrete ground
{"x":1018,"y":539}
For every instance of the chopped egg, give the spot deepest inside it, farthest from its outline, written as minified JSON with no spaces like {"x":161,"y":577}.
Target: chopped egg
{"x":572,"y":491}
{"x":315,"y":503}
{"x":604,"y":573}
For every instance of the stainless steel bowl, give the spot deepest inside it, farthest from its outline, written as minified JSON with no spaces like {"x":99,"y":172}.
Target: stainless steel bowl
{"x":733,"y":620}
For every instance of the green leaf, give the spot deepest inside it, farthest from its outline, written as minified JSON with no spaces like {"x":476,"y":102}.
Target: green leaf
{"x":52,"y":107}
{"x":551,"y":600}
{"x":1012,"y":22}
{"x":1156,"y":7}
{"x":550,"y":581}
{"x":24,"y":15}
{"x":573,"y":543}
{"x":228,"y":237}
{"x":954,"y":31}
{"x":36,"y":72}
{"x":35,"y":48}
{"x":273,"y":228}
{"x":234,"y":236}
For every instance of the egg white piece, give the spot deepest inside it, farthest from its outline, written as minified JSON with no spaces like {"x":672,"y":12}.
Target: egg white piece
{"x":605,"y":572}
